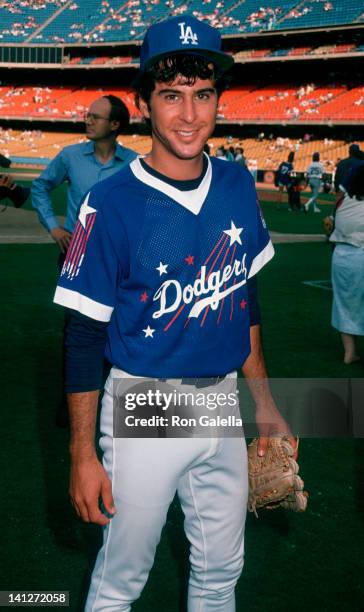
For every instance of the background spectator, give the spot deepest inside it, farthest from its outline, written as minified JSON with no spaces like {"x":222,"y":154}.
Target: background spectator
{"x":347,"y":165}
{"x":239,"y":156}
{"x":348,"y":267}
{"x":315,"y":173}
{"x":230,"y":154}
{"x":284,"y":179}
{"x":81,"y":166}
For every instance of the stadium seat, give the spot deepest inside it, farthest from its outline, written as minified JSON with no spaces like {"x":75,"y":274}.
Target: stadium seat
{"x":267,"y":153}
{"x":279,"y":103}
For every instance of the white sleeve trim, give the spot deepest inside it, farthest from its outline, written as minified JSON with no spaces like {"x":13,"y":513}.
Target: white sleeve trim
{"x":261,"y":259}
{"x":83,"y":304}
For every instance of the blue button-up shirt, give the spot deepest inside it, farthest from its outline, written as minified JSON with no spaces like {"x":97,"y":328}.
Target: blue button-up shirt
{"x":78,"y":165}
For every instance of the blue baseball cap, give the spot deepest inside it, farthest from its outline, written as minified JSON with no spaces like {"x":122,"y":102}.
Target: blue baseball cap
{"x":183,"y":34}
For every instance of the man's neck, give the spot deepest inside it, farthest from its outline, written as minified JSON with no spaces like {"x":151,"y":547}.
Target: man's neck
{"x":105,"y":150}
{"x":174,"y":168}
{"x":184,"y":185}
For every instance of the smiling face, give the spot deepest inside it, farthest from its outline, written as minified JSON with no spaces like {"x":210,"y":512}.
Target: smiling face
{"x":182,"y":118}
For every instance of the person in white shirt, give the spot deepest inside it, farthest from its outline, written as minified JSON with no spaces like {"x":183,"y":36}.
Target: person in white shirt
{"x":348,"y":266}
{"x":314,"y":174}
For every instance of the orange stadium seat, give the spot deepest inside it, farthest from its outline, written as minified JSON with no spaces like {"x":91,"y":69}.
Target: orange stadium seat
{"x":277,"y":103}
{"x":260,"y":53}
{"x":247,"y":103}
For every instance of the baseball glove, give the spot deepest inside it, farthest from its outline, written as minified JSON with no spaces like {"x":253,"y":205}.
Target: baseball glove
{"x":273,"y":478}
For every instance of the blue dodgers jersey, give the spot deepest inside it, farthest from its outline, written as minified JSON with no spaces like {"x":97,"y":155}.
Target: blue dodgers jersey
{"x":284,"y":173}
{"x":168,"y":269}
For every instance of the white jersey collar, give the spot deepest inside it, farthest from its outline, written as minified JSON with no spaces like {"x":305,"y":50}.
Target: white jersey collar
{"x":192,"y":200}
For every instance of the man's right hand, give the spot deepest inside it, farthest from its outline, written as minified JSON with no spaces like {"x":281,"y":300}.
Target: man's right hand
{"x":88,"y":483}
{"x":62,"y":237}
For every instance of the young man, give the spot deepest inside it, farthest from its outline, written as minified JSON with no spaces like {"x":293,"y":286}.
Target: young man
{"x":82,"y":165}
{"x":161,"y":269}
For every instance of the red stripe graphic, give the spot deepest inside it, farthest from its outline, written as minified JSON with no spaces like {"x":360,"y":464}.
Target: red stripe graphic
{"x":197,"y":275}
{"x":232,"y":302}
{"x":210,"y":271}
{"x":174,"y":318}
{"x":217,"y":257}
{"x":74,"y":241}
{"x":204,"y":316}
{"x":213,"y":250}
{"x":223,"y":238}
{"x":225,"y":256}
{"x":188,"y":320}
{"x":89,"y":226}
{"x":83,"y":241}
{"x":78,"y":247}
{"x":223,"y":299}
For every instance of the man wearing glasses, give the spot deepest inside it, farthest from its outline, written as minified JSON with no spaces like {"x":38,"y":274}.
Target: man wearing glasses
{"x":81,"y":166}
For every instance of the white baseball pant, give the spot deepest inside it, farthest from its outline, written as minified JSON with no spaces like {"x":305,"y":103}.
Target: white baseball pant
{"x":210,"y":476}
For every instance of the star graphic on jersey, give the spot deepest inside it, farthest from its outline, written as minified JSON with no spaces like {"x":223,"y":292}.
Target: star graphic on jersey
{"x":144,"y":297}
{"x":162,"y":268}
{"x":243,"y":303}
{"x":190,"y":260}
{"x":234,"y":233}
{"x":85,"y":210}
{"x":149,"y":332}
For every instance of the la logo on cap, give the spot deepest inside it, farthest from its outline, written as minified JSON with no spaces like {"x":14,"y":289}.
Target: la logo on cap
{"x":187,"y":36}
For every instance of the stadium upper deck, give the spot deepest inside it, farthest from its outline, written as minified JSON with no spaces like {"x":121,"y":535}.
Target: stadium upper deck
{"x":97,"y":21}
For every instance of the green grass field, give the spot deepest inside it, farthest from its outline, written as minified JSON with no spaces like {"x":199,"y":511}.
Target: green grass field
{"x":303,"y":562}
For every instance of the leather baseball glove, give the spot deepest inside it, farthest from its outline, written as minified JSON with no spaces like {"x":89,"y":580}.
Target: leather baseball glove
{"x":273,"y":478}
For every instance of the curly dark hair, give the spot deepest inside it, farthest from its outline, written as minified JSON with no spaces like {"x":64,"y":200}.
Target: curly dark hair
{"x":166,"y":70}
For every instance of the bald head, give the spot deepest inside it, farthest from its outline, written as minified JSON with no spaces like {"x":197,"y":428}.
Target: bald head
{"x":106,"y":118}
